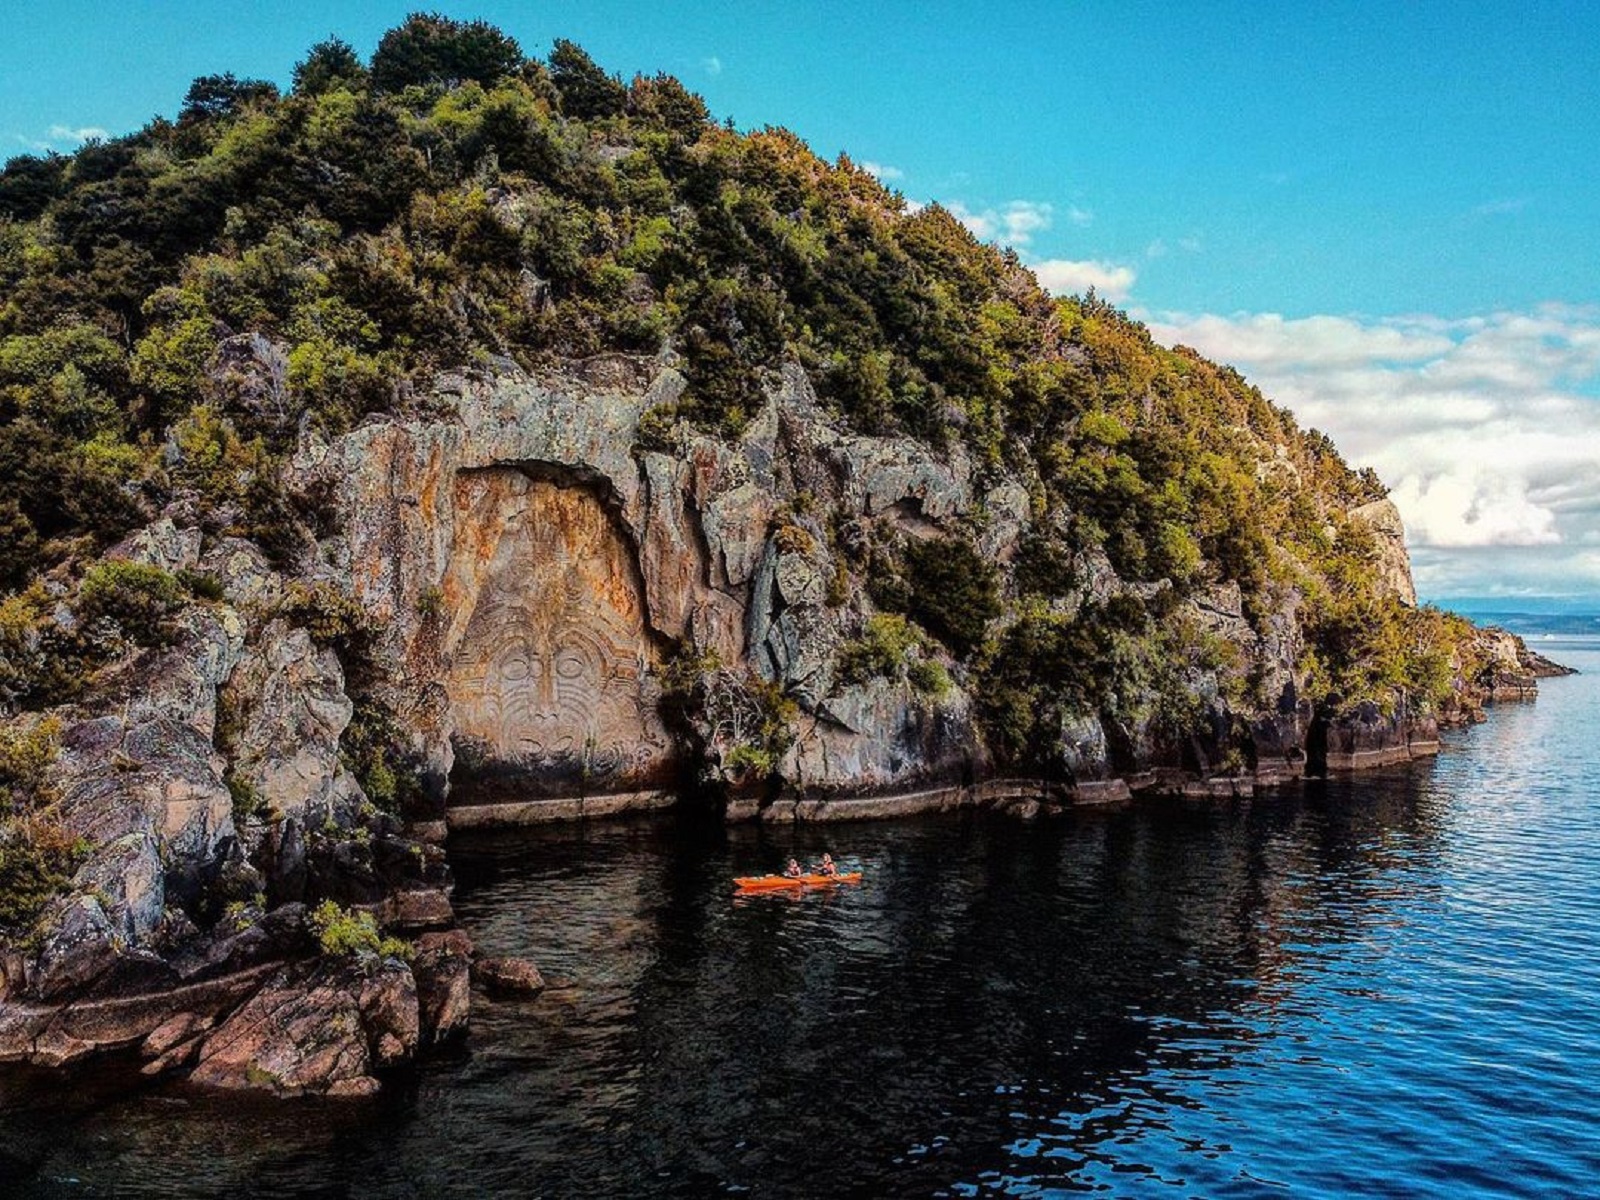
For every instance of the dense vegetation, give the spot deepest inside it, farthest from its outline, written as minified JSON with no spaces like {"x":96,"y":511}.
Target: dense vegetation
{"x":179,"y":305}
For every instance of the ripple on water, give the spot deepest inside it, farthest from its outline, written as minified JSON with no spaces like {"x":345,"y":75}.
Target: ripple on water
{"x":1376,"y":986}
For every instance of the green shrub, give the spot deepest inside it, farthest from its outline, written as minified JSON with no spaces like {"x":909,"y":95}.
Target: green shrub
{"x":793,"y":539}
{"x":928,"y":677}
{"x":138,"y":597}
{"x":27,"y":748}
{"x":838,"y":585}
{"x":954,"y":591}
{"x":248,"y":801}
{"x":659,"y":428}
{"x":41,"y":664}
{"x":380,"y":757}
{"x":747,"y":722}
{"x":430,"y":602}
{"x":747,"y":758}
{"x":201,"y":585}
{"x":345,"y":933}
{"x":890,"y":647}
{"x":37,"y":859}
{"x":887,"y":640}
{"x":332,"y":618}
{"x":1044,"y":567}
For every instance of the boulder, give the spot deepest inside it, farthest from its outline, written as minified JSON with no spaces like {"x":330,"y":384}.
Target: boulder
{"x":288,"y":694}
{"x":318,"y":1028}
{"x":515,"y":975}
{"x":443,"y":969}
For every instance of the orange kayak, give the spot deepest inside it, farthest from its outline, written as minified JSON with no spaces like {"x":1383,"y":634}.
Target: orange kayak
{"x":765,"y":883}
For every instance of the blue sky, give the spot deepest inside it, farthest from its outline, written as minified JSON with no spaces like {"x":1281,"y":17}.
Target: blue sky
{"x":1388,"y":215}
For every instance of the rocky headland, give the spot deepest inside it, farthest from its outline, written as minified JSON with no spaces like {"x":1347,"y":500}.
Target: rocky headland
{"x":504,"y":443}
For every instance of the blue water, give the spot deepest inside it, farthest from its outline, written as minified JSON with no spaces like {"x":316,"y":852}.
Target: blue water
{"x":1387,"y":985}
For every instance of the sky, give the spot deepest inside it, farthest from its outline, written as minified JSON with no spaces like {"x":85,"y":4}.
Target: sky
{"x":1386,"y":215}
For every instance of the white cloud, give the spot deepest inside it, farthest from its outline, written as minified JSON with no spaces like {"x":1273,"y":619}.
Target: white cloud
{"x":1079,"y":216}
{"x":1022,"y":219}
{"x":1487,"y":428}
{"x":1500,"y":208}
{"x":1015,"y":224}
{"x":712,"y":65}
{"x":65,"y":133}
{"x":62,"y":137}
{"x":882,"y":173}
{"x":1063,"y":277}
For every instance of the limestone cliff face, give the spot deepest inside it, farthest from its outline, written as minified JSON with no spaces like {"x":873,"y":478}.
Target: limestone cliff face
{"x":1394,"y":564}
{"x":533,"y":567}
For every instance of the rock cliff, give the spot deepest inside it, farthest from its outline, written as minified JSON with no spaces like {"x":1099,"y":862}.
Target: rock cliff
{"x":534,"y":567}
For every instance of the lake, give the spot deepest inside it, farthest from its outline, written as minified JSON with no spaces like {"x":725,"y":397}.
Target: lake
{"x":1383,"y":985}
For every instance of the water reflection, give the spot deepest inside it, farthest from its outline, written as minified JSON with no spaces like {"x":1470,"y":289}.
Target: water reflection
{"x":1212,"y":999}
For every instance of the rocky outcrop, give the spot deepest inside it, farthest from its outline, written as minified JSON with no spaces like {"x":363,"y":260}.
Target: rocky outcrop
{"x":290,"y":710}
{"x":1388,"y":530}
{"x":1510,"y":671}
{"x":212,"y":792}
{"x":323,"y":1028}
{"x":510,"y":975}
{"x":143,"y":786}
{"x":443,"y":970}
{"x":1369,"y":737}
{"x":534,"y":566}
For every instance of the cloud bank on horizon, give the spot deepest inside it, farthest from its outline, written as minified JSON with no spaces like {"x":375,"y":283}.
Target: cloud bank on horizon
{"x":1487,"y":428}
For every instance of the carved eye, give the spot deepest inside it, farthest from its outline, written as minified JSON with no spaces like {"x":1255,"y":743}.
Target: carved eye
{"x":571,"y":666}
{"x":516,"y":668}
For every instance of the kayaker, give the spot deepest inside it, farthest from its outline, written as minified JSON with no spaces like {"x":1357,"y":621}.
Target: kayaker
{"x":828,"y":867}
{"x":792,"y":871}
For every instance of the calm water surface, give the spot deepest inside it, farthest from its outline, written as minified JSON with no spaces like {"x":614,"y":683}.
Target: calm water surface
{"x":1382,"y":986}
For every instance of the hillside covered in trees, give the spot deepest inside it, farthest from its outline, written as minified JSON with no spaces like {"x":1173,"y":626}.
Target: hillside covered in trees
{"x":183,"y":308}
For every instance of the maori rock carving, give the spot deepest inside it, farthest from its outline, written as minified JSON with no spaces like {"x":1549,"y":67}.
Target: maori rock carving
{"x":551,"y":685}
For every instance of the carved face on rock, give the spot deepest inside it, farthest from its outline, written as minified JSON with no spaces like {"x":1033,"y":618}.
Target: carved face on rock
{"x":537,"y":689}
{"x":550,"y":671}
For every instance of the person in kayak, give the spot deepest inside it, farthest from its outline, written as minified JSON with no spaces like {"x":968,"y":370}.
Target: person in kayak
{"x":792,"y":871}
{"x":828,"y":867}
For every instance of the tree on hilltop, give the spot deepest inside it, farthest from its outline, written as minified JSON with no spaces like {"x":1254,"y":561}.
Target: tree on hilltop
{"x":433,"y":50}
{"x":586,"y":90}
{"x":328,"y":66}
{"x":223,"y":96}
